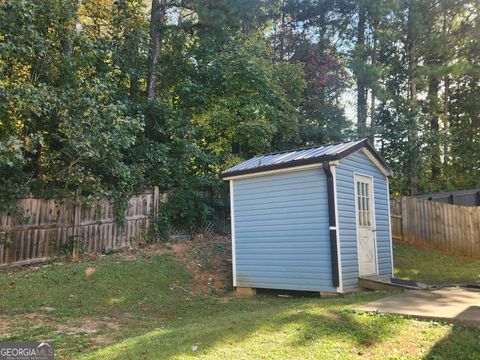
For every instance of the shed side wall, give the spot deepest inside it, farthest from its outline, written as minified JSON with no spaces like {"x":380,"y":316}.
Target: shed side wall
{"x":281,"y":232}
{"x":359,"y":163}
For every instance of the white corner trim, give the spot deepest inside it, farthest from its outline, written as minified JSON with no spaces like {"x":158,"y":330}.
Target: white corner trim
{"x":374,"y":221}
{"x":377,"y":163}
{"x":232,"y":231}
{"x":333,"y":169}
{"x":355,"y":203}
{"x":277,"y":171}
{"x":390,"y":228}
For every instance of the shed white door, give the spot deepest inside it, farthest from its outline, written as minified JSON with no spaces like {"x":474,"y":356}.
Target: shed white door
{"x":367,"y":259}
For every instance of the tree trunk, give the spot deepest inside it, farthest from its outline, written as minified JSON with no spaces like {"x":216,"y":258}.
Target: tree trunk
{"x":361,"y":83}
{"x":321,"y":51}
{"x":433,"y":88}
{"x":434,"y":102}
{"x":134,"y":86}
{"x":446,"y":122}
{"x":247,"y":22}
{"x":413,"y":154}
{"x":446,"y":92}
{"x":322,"y":27}
{"x":282,"y":34}
{"x":66,"y":44}
{"x":157,"y":22}
{"x":371,"y":134}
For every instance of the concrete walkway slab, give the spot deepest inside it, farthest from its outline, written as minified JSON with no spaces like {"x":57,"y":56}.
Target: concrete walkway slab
{"x":455,"y":305}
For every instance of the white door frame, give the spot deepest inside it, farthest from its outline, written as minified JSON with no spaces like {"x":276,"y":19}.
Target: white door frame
{"x":373,"y":218}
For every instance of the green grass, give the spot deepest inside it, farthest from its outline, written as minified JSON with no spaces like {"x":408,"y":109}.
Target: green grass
{"x":144,"y":309}
{"x":433,"y":267}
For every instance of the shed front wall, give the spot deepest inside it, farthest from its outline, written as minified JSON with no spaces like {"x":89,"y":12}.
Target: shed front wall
{"x":359,"y":163}
{"x":282,"y":231}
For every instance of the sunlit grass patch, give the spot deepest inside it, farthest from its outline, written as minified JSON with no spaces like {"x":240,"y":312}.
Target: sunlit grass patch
{"x":433,"y":267}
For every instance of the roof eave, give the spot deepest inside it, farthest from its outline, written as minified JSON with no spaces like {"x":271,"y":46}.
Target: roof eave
{"x":266,"y":168}
{"x":365,"y":143}
{"x":338,"y":156}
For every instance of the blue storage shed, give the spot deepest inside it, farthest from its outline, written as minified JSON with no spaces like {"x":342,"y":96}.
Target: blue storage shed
{"x":312,"y":219}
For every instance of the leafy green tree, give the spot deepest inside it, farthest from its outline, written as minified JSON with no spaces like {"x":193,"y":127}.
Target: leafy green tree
{"x":114,"y":96}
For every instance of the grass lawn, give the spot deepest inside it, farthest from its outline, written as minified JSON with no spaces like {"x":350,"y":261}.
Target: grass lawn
{"x":433,"y":267}
{"x":142,"y":307}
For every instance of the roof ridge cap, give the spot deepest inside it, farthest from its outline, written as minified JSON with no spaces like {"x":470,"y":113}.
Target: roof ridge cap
{"x":313,"y":147}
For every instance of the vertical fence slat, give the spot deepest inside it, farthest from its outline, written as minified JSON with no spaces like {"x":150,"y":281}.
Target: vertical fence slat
{"x":470,"y":222}
{"x":476,"y":232}
{"x":405,"y":233}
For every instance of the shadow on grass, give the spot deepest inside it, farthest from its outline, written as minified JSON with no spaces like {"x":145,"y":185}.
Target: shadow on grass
{"x":344,"y":328}
{"x":462,"y":343}
{"x":257,"y":332}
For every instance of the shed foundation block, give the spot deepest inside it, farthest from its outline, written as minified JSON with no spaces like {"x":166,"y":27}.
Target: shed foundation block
{"x":245,"y":291}
{"x":326,"y":294}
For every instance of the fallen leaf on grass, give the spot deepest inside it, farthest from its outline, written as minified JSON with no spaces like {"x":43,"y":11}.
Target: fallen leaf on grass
{"x":90,"y":271}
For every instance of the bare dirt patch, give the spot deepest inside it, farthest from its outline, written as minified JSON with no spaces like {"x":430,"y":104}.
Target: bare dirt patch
{"x":11,"y":325}
{"x":77,"y":326}
{"x":34,"y":317}
{"x":89,"y":325}
{"x":129,"y":256}
{"x":331,"y":315}
{"x":100,"y":340}
{"x":209,"y":259}
{"x":90,"y":271}
{"x":409,"y":344}
{"x":47,"y":308}
{"x":6,"y":325}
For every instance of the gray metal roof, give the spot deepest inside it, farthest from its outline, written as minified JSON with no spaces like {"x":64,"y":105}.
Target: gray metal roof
{"x":300,"y":157}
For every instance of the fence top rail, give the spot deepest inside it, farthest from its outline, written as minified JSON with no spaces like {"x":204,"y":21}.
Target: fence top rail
{"x":24,"y":204}
{"x":433,"y":203}
{"x":72,"y":197}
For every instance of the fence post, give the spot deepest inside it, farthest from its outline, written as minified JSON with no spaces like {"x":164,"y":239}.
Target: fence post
{"x":401,"y":219}
{"x":77,"y":213}
{"x":156,"y":200}
{"x":404,"y":221}
{"x":12,"y":249}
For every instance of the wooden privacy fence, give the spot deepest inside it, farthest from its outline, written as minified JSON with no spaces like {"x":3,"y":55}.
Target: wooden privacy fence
{"x":451,"y":228}
{"x":47,"y":228}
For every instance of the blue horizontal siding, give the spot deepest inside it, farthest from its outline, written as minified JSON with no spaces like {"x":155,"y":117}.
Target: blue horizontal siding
{"x":293,"y":189}
{"x":282,"y":245}
{"x":255,"y":185}
{"x":279,"y":205}
{"x":285,"y":268}
{"x":281,"y":232}
{"x":274,"y":262}
{"x":358,"y":162}
{"x":276,"y":198}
